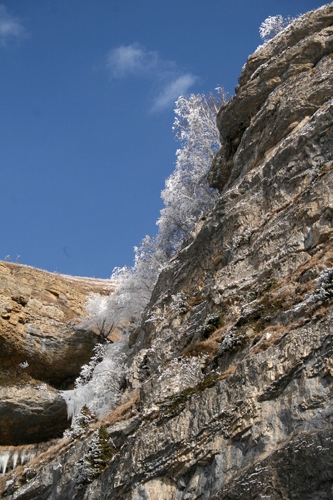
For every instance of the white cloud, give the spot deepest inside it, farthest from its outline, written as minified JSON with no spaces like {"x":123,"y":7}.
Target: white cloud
{"x":173,"y":90}
{"x":131,"y":59}
{"x":135,"y":60}
{"x":10,"y":27}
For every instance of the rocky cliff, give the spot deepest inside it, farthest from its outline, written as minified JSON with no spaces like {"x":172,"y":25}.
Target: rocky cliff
{"x":41,"y":351}
{"x":229,"y":390}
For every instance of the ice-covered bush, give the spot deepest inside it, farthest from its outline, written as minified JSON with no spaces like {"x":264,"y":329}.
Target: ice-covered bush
{"x":324,"y":288}
{"x":98,"y":386}
{"x":187,"y":195}
{"x":273,"y":25}
{"x":96,"y":458}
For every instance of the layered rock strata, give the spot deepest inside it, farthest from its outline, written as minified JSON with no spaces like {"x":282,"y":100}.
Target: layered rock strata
{"x":234,"y":359}
{"x":42,"y":349}
{"x":39,"y":314}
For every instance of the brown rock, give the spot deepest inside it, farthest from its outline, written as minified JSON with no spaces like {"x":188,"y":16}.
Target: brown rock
{"x":39,"y":314}
{"x":40,"y":344}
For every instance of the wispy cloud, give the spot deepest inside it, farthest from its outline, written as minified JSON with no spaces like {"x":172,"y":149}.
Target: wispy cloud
{"x":173,"y":90}
{"x":10,"y":27}
{"x":131,"y":59}
{"x":135,"y":60}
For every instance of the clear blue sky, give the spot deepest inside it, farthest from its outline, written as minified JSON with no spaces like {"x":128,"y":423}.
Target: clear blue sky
{"x":86,"y":105}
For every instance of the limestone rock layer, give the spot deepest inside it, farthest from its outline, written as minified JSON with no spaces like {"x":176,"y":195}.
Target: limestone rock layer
{"x":41,"y":349}
{"x":234,"y":358}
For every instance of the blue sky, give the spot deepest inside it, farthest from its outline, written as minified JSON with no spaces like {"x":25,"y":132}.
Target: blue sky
{"x":86,"y":104}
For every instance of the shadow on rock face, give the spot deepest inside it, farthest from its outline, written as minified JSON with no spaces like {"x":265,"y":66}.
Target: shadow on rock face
{"x":31,"y":414}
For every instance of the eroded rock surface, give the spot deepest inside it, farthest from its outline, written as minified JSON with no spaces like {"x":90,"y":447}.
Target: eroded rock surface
{"x":38,"y":314}
{"x":31,"y":413}
{"x":41,"y":349}
{"x":234,"y":360}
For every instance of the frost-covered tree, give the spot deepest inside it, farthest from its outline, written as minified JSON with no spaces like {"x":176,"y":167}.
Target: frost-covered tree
{"x":95,"y":459}
{"x":133,"y":290}
{"x":273,"y":25}
{"x":98,"y":386}
{"x":136,"y":283}
{"x":187,"y":195}
{"x":99,"y":314}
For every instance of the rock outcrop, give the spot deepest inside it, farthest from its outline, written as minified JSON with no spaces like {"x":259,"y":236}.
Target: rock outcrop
{"x":234,"y":359}
{"x":31,"y":413}
{"x":41,"y":349}
{"x":39,"y":313}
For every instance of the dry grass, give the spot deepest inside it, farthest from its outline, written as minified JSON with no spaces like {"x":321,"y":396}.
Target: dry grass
{"x":227,"y":373}
{"x":3,"y":480}
{"x":279,"y":332}
{"x":274,"y":298}
{"x":122,"y":412}
{"x":207,"y":347}
{"x":61,"y":446}
{"x":274,"y":336}
{"x":196,"y":299}
{"x":283,"y":296}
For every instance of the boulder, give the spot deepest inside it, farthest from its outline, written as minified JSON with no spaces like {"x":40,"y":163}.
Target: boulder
{"x":31,"y":413}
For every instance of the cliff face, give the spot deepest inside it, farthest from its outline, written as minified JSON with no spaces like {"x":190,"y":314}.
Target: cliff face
{"x":41,"y":350}
{"x":234,"y":360}
{"x":38,"y":315}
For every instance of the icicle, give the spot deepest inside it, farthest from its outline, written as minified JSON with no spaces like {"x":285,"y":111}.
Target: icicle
{"x":4,"y":457}
{"x":14,"y":459}
{"x":26,"y":456}
{"x":75,"y":400}
{"x":23,"y":457}
{"x":30,"y":456}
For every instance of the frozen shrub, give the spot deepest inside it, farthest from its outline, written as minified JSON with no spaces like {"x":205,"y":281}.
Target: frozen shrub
{"x":99,"y":385}
{"x":273,"y":25}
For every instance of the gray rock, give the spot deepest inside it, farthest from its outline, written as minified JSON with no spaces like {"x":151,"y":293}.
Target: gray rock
{"x":256,"y":420}
{"x":31,"y":413}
